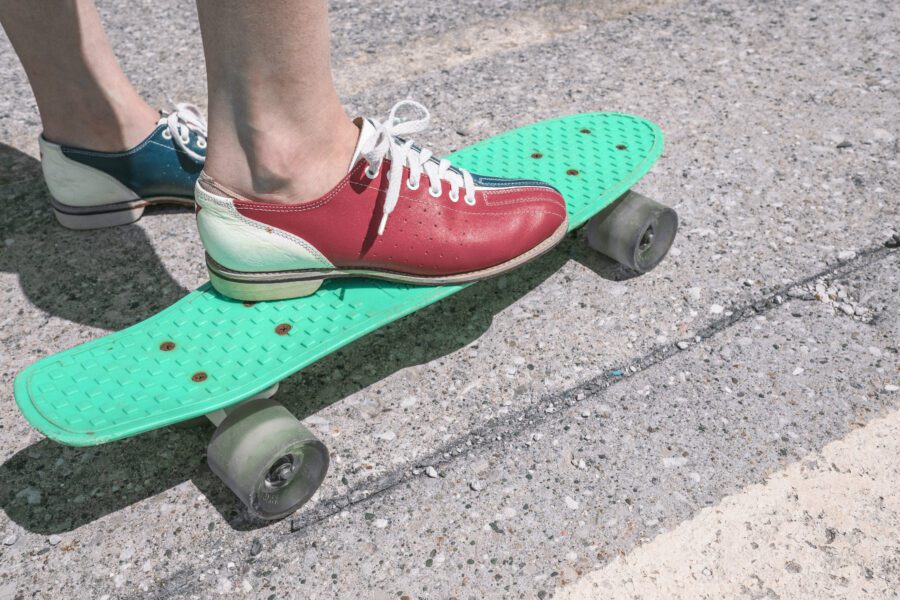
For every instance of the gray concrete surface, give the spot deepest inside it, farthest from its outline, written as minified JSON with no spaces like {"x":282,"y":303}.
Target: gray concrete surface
{"x":770,"y":332}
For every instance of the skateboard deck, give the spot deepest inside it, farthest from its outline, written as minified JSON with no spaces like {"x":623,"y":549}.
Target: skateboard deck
{"x":207,"y":352}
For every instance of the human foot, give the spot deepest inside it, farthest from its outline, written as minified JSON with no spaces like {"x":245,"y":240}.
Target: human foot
{"x":91,"y":189}
{"x":398,"y":214}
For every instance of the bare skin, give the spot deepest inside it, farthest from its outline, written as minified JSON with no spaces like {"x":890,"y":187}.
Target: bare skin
{"x":84,"y":98}
{"x":277,"y":130}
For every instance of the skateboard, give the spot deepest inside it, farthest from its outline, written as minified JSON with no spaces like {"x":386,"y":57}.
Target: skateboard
{"x":208,"y":355}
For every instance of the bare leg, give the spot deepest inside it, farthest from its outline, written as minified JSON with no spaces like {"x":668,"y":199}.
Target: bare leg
{"x":83,"y":96}
{"x":277,"y":129}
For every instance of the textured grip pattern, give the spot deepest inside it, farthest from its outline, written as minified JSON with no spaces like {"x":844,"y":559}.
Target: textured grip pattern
{"x":207,"y":352}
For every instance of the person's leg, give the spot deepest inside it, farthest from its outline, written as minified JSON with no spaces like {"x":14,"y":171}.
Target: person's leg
{"x":84,"y":98}
{"x":280,"y":207}
{"x":277,"y":129}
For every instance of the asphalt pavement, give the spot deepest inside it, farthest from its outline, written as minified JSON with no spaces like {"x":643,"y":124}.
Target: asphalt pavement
{"x":724,"y":426}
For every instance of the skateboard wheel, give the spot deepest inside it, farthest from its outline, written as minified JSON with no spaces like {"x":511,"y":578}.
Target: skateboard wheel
{"x":267,"y":458}
{"x":634,"y":231}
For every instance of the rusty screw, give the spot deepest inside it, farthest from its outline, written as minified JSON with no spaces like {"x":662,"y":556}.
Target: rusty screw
{"x":283,"y":329}
{"x":249,"y":304}
{"x":572,"y":172}
{"x":585,"y":131}
{"x":621,"y":147}
{"x":537,"y":155}
{"x":166,"y":346}
{"x":199,"y":376}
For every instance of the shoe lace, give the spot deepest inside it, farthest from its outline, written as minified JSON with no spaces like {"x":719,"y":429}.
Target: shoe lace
{"x":402,"y":153}
{"x":187,"y":118}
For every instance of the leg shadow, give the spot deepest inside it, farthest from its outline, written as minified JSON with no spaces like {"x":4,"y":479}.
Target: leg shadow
{"x":106,"y":278}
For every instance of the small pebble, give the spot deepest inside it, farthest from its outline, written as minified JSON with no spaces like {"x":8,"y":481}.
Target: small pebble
{"x":571,"y":503}
{"x":891,"y":387}
{"x":683,"y":345}
{"x":54,"y":540}
{"x":844,"y":144}
{"x":431,"y":471}
{"x":380,"y":523}
{"x":255,"y":547}
{"x":717,"y":309}
{"x":476,"y":485}
{"x":846,"y":255}
{"x":10,"y":539}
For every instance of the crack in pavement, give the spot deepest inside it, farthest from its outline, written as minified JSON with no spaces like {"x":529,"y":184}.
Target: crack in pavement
{"x":500,"y":429}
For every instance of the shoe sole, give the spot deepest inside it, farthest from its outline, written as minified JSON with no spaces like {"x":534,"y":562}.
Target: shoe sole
{"x":109,"y":215}
{"x":280,"y":285}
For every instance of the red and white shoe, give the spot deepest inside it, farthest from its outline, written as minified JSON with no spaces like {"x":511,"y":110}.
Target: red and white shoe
{"x":399,"y":214}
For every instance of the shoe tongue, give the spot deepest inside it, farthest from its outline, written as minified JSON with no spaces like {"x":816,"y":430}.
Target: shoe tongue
{"x":367,"y":135}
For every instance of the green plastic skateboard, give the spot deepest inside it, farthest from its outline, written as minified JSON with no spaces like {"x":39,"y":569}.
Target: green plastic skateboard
{"x":208,"y":355}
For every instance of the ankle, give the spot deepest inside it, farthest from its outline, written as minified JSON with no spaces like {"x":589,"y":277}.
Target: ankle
{"x":282,"y":166}
{"x":106,"y":124}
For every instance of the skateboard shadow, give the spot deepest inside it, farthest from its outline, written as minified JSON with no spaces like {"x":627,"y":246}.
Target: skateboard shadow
{"x":602,"y":265}
{"x":49,"y":488}
{"x":106,"y":278}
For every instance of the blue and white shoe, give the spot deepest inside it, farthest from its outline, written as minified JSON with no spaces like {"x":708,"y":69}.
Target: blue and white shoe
{"x":91,"y":189}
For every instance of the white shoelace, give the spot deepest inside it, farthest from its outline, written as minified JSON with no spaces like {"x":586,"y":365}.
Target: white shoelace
{"x":402,"y":153}
{"x":181,"y":122}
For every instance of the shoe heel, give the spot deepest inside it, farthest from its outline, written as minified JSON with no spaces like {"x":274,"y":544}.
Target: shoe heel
{"x":98,"y":220}
{"x":256,"y":292}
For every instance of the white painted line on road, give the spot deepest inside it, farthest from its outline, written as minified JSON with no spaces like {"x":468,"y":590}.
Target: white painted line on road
{"x":825,"y":527}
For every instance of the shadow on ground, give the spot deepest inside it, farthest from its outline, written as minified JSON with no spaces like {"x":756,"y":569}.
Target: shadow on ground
{"x":112,"y":278}
{"x":50,"y":488}
{"x":107,"y":278}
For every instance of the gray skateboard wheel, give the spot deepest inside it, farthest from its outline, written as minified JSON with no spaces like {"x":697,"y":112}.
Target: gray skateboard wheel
{"x":634,"y":231}
{"x":267,"y":458}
